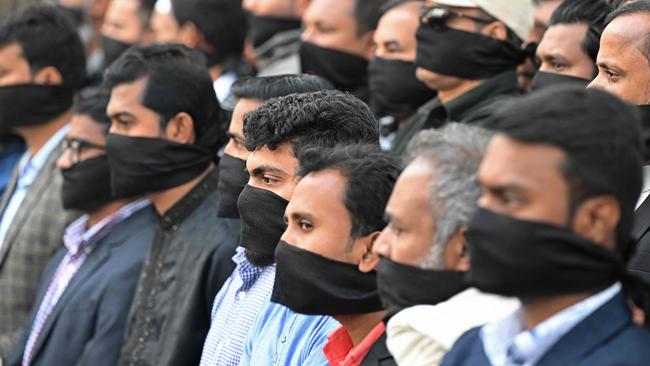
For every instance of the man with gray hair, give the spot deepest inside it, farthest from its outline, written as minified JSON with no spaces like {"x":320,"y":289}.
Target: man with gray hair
{"x":423,"y":248}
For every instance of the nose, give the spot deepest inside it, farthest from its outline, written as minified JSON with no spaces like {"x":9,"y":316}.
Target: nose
{"x":65,"y":160}
{"x":596,"y":83}
{"x":382,"y":245}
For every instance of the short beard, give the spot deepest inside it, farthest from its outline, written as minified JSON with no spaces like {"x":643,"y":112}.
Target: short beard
{"x":258,"y":259}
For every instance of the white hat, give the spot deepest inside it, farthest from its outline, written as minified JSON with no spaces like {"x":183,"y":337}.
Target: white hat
{"x":516,"y":14}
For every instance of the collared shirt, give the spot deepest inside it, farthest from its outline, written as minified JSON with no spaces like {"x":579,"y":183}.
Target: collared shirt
{"x":645,"y":191}
{"x":283,"y":337}
{"x":340,"y":351}
{"x":235,"y":308}
{"x":79,"y":240}
{"x":508,"y":343}
{"x":28,"y":169}
{"x":223,"y":84}
{"x":188,"y":262}
{"x":471,"y":107}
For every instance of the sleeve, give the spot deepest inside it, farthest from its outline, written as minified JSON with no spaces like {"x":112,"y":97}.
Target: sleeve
{"x":409,"y":347}
{"x":314,"y":352}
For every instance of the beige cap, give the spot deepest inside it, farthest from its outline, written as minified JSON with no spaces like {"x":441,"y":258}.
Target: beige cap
{"x":516,"y":14}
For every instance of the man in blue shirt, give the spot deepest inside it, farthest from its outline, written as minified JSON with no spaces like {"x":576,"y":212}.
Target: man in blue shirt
{"x":553,"y":229}
{"x":275,"y":133}
{"x":248,"y":288}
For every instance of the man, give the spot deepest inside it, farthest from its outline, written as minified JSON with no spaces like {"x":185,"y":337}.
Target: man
{"x":126,"y":23}
{"x":248,"y":287}
{"x":86,"y":292}
{"x":424,"y":246}
{"x":395,"y":92}
{"x":165,"y":117}
{"x":274,"y":29}
{"x":217,"y":28}
{"x":543,"y":9}
{"x":568,"y":51}
{"x":275,"y":133}
{"x":36,"y":92}
{"x":163,"y":23}
{"x":559,"y":190}
{"x":451,"y":35}
{"x":624,"y":71}
{"x":337,"y":42}
{"x":325,"y":263}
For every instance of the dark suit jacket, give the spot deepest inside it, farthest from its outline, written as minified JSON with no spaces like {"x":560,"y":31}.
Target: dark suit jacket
{"x":31,"y":241}
{"x":379,"y":355}
{"x":86,"y":327}
{"x":605,"y":338}
{"x":640,"y":262}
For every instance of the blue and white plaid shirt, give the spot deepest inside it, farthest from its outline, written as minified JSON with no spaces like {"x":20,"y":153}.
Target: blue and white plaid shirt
{"x":508,"y":343}
{"x":234,"y":310}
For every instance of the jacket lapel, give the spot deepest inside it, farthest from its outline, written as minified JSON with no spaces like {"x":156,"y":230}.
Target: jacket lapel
{"x":11,"y":187}
{"x":589,"y":334}
{"x":642,"y":219}
{"x":31,"y":201}
{"x":378,"y":354}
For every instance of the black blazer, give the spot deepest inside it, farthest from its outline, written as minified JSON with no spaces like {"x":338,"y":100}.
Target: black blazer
{"x":379,"y":355}
{"x":640,"y":262}
{"x":86,"y":327}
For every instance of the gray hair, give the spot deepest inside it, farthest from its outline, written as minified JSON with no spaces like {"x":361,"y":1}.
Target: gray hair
{"x":455,"y":153}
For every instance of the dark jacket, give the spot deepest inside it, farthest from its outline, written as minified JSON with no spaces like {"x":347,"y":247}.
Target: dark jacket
{"x":472,"y":107}
{"x":640,"y":262}
{"x":605,"y":338}
{"x":31,"y":241}
{"x":86,"y":327}
{"x":189,"y":260}
{"x":379,"y":355}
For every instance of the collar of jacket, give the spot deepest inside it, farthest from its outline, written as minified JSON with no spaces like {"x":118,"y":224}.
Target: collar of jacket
{"x":190,"y":202}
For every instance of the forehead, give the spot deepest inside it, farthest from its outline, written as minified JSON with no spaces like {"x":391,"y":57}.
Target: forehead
{"x":84,"y":127}
{"x":321,"y":193}
{"x":563,"y":39}
{"x":126,"y":97}
{"x":330,"y":10}
{"x":11,"y":53}
{"x":622,"y":37}
{"x":509,"y":162}
{"x":412,"y":190}
{"x":118,"y":9}
{"x":401,"y":19}
{"x":281,"y":158}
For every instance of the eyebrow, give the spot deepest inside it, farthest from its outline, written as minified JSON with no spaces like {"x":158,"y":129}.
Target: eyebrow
{"x":392,"y":42}
{"x":121,"y":114}
{"x":302,"y":215}
{"x":263,"y":169}
{"x":234,"y":136}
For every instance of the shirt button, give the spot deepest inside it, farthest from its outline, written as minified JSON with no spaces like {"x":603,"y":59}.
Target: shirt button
{"x":284,"y":339}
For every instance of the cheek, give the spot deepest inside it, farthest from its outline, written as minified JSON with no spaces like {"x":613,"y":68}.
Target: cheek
{"x":410,"y":248}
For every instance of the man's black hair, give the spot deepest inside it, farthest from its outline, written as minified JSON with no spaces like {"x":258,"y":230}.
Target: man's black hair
{"x":590,"y":12}
{"x":177,"y":80}
{"x":371,"y":175}
{"x":322,"y":119}
{"x":265,"y":88}
{"x":367,"y":13}
{"x":47,"y":39}
{"x":222,"y":23}
{"x":630,"y":8}
{"x":600,"y":136}
{"x":92,"y":102}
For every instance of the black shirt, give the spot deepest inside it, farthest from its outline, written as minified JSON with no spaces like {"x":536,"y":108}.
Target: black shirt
{"x":188,"y":262}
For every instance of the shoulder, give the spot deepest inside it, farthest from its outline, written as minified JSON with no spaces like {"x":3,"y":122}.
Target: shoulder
{"x":466,"y":349}
{"x":631,"y":346}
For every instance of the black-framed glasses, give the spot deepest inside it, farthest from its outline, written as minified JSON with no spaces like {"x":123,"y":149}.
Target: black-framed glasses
{"x":77,"y":146}
{"x":438,"y":17}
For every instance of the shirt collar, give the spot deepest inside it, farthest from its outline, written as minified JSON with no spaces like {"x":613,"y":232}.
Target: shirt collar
{"x":29,"y":165}
{"x":501,"y":84}
{"x":248,"y":273}
{"x":79,"y":236}
{"x":646,"y":178}
{"x":339,"y":349}
{"x":193,"y":199}
{"x":508,"y":339}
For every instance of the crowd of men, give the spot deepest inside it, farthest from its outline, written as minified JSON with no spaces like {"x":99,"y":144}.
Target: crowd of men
{"x":325,"y":182}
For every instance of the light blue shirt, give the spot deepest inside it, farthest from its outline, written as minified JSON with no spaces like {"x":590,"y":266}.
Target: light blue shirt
{"x":508,"y":343}
{"x":28,"y":169}
{"x":241,"y":298}
{"x":284,"y":338}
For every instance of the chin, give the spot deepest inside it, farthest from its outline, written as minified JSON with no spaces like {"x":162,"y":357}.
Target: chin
{"x":433,"y":80}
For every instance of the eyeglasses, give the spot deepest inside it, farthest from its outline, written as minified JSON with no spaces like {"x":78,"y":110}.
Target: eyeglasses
{"x":77,"y":146}
{"x":438,"y":17}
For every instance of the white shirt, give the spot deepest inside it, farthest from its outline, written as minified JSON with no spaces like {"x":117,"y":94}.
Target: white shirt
{"x":507,"y":342}
{"x":645,"y":191}
{"x":28,"y":169}
{"x":223,"y":84}
{"x":422,"y":335}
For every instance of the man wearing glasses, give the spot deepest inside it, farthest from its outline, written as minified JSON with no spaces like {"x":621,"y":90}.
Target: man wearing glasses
{"x":83,"y":300}
{"x":467,"y":50}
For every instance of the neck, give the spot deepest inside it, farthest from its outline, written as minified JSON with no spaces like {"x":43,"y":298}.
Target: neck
{"x":215,"y":72}
{"x":359,"y":326}
{"x":164,"y":200}
{"x":37,"y":136}
{"x":446,"y":96}
{"x":535,"y":312}
{"x":105,"y":211}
